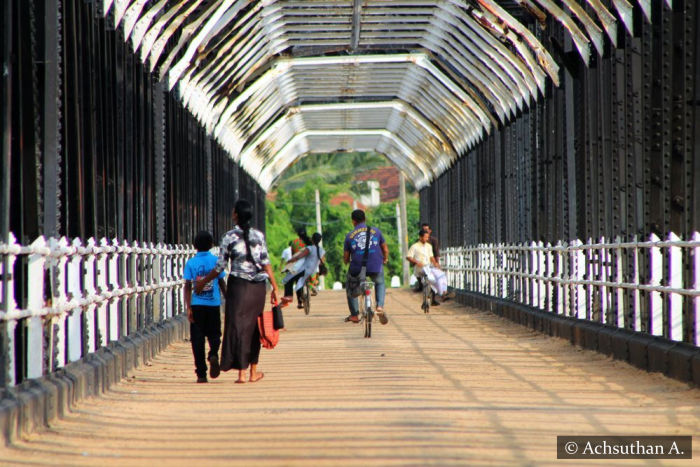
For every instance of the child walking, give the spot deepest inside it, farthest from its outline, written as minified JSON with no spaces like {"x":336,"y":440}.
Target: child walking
{"x":203,"y":308}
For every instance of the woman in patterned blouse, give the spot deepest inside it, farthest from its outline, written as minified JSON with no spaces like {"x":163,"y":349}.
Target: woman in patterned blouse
{"x":244,"y":251}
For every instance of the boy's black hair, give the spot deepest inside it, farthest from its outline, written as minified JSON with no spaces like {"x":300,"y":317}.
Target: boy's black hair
{"x":422,"y":232}
{"x":203,"y":241}
{"x":358,"y":215}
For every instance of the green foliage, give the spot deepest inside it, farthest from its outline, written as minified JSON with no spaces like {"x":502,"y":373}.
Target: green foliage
{"x":337,"y":168}
{"x":296,"y":208}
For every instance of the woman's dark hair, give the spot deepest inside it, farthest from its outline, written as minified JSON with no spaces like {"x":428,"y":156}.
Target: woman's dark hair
{"x":316,"y":239}
{"x":203,"y":241}
{"x":301,"y":231}
{"x":244,"y":212}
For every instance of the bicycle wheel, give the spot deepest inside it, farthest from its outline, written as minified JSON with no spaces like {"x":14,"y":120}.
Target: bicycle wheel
{"x":307,"y":299}
{"x":368,"y":324}
{"x":369,"y":315}
{"x":426,"y":301}
{"x":362,"y":311}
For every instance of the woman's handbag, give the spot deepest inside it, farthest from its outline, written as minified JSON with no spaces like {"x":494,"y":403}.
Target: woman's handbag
{"x":277,"y":318}
{"x":269,"y":336}
{"x":322,"y":269}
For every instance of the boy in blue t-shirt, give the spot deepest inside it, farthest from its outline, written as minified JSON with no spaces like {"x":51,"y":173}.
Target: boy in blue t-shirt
{"x":203,"y":308}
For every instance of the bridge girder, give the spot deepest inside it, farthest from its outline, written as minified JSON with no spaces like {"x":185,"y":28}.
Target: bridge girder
{"x":465,"y":67}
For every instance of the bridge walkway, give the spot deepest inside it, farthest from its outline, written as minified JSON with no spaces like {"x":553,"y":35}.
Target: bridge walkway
{"x":456,"y":387}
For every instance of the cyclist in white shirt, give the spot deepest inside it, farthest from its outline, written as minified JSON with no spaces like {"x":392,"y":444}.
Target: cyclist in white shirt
{"x":421,"y":256}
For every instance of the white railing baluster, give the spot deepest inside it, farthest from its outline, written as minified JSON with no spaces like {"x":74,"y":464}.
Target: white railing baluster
{"x":621,"y":297}
{"x":157,"y":280}
{"x":675,"y":281}
{"x":35,"y":301}
{"x":57,"y":277}
{"x":104,"y":290}
{"x":541,"y":274}
{"x":74,"y":320}
{"x":504,"y":267}
{"x":695,"y":271}
{"x":549,"y":286}
{"x":558,"y":276}
{"x":581,"y":290}
{"x":168,"y":279}
{"x":90,"y":288}
{"x":10,"y":306}
{"x":602,"y":275}
{"x":635,"y":284}
{"x":655,"y":274}
{"x":114,"y":287}
{"x":534,"y":271}
{"x":591,"y":278}
{"x":134,"y":300}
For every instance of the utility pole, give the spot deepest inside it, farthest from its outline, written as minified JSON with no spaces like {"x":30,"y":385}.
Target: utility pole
{"x":404,"y":228}
{"x":398,"y":232}
{"x":321,"y":279}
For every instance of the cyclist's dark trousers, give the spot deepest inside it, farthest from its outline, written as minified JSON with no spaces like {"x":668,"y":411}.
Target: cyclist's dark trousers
{"x":207,"y":325}
{"x":289,"y":286}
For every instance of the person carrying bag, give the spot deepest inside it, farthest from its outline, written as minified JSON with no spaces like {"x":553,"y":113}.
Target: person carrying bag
{"x":364,"y":260}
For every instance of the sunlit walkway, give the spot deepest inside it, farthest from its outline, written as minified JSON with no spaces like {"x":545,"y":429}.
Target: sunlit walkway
{"x":456,"y":387}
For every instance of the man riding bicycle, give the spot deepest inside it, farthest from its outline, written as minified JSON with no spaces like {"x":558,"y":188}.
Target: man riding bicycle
{"x":421,"y":255}
{"x":377,"y":256}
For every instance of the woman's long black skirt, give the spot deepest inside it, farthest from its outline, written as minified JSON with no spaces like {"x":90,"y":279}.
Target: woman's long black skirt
{"x":245,"y":301}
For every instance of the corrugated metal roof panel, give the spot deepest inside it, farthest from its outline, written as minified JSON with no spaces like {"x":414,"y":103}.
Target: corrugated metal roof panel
{"x":420,"y":81}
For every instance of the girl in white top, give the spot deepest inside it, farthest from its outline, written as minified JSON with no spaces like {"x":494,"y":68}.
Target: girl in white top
{"x":311,"y":256}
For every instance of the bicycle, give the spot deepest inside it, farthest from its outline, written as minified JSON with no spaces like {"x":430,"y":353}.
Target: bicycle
{"x":425,"y":306}
{"x":366,"y":302}
{"x":306,"y":297}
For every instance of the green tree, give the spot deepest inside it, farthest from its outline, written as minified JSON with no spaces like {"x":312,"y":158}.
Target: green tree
{"x":294,"y":206}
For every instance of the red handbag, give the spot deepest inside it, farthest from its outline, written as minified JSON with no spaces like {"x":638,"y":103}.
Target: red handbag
{"x":269,"y":336}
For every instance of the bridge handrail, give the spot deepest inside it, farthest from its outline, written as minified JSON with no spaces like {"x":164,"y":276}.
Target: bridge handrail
{"x":75,"y":298}
{"x":650,"y":286}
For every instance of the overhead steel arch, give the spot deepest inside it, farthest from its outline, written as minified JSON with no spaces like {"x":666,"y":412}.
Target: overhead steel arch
{"x":462,"y":67}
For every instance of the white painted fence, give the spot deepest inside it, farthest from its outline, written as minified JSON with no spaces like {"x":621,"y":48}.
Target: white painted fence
{"x":651,"y":286}
{"x":75,"y":298}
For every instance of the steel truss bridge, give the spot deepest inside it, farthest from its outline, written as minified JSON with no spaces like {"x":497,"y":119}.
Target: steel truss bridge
{"x":555,"y":145}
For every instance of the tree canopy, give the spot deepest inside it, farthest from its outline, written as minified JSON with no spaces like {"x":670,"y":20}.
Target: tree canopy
{"x":295,"y":207}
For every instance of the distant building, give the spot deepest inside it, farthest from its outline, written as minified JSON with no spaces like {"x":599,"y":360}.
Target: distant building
{"x":387,"y":179}
{"x":383,"y":184}
{"x":341,"y":198}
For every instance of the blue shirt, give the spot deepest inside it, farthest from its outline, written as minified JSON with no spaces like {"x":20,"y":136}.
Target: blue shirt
{"x":355,"y":244}
{"x":197,"y":267}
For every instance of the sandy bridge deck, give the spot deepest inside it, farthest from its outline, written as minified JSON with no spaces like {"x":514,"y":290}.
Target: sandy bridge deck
{"x":456,"y":387}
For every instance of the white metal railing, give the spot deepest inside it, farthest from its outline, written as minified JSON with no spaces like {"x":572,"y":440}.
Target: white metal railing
{"x":647,"y":286}
{"x":76,"y":297}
